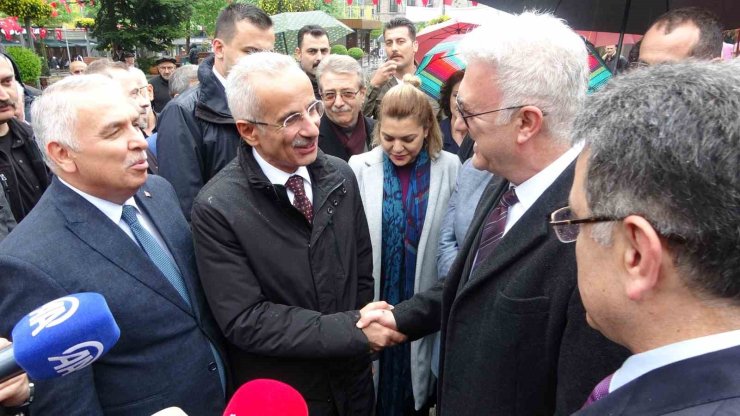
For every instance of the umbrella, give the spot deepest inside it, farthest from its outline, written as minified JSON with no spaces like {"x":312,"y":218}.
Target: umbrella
{"x":598,"y":72}
{"x":430,"y":36}
{"x":287,"y":25}
{"x":608,"y":38}
{"x":438,"y":65}
{"x":620,"y":16}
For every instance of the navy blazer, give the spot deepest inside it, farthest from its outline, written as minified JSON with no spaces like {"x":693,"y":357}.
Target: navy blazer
{"x":514,"y":339}
{"x":163,"y":358}
{"x":708,"y":384}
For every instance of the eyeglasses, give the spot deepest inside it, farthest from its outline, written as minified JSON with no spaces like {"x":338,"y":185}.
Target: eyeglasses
{"x":330,"y":96}
{"x":315,"y":111}
{"x":465,"y":116}
{"x":140,"y":92}
{"x":567,"y":228}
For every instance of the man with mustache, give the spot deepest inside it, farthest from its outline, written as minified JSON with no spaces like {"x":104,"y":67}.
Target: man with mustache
{"x":313,"y":46}
{"x":105,"y":226}
{"x":283,"y":247}
{"x":23,"y":175}
{"x":345,"y":131}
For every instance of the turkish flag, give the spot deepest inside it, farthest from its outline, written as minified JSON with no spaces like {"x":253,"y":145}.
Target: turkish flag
{"x":448,"y":2}
{"x":58,"y":34}
{"x":425,"y":2}
{"x":42,"y":33}
{"x":7,"y":34}
{"x":349,"y":2}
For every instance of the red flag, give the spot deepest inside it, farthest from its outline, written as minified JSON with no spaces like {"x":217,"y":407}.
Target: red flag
{"x":58,"y":34}
{"x":425,"y":2}
{"x":53,"y":5}
{"x":54,"y":13}
{"x":42,"y":33}
{"x":7,"y":34}
{"x":349,"y":2}
{"x":399,"y":2}
{"x":448,"y":2}
{"x":375,"y":2}
{"x":327,"y":1}
{"x":475,"y":3}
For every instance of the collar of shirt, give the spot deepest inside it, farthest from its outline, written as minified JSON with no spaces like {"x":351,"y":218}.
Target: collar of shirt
{"x":530,"y":190}
{"x":110,"y":209}
{"x":641,"y":364}
{"x":219,"y":77}
{"x":279,"y":177}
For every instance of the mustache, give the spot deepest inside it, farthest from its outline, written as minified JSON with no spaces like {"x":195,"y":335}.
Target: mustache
{"x":302,"y":141}
{"x":138,"y":157}
{"x":342,"y":109}
{"x":7,"y":102}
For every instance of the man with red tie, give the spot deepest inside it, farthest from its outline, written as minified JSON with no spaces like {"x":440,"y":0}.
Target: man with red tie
{"x":283,"y":246}
{"x":654,"y":215}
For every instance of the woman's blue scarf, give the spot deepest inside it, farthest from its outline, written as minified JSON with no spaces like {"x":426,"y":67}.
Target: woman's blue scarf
{"x":403,"y":221}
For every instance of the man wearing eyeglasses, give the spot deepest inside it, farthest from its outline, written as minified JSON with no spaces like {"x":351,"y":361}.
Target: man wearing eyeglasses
{"x":654,"y":215}
{"x":283,"y":247}
{"x":514,"y":337}
{"x":345,"y":131}
{"x":197,"y":135}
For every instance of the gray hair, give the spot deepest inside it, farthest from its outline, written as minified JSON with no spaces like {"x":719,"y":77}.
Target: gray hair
{"x":54,"y":113}
{"x":340,"y":64}
{"x":665,"y":145}
{"x":241,"y":94}
{"x":536,"y":60}
{"x":182,"y":77}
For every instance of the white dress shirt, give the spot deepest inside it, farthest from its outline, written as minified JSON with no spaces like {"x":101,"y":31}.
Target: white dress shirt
{"x":530,"y":190}
{"x":641,"y":364}
{"x":279,"y":177}
{"x":115,"y":212}
{"x":219,"y":77}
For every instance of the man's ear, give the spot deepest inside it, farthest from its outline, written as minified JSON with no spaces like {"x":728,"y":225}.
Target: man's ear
{"x":297,"y":53}
{"x":150,"y":91}
{"x":62,"y":157}
{"x":218,"y":48}
{"x":643,"y":256}
{"x":248,"y":132}
{"x":530,"y":123}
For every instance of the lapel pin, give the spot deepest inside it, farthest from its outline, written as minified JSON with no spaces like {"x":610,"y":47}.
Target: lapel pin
{"x":147,"y":194}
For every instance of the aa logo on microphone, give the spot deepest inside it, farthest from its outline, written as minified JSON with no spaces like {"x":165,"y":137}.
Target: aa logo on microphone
{"x":53,"y":313}
{"x":77,"y":357}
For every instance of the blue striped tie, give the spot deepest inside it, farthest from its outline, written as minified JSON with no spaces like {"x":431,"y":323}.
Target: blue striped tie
{"x":167,"y":266}
{"x":494,"y":227}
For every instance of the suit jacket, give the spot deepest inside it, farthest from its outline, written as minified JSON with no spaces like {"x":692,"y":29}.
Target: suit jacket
{"x":708,"y":384}
{"x":368,"y":168}
{"x":163,"y":357}
{"x":330,"y":143}
{"x":514,"y":338}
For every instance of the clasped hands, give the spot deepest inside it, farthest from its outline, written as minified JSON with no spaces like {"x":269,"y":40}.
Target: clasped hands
{"x":379,"y":326}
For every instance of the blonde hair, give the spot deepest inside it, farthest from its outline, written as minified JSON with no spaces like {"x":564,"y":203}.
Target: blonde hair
{"x":408,"y":101}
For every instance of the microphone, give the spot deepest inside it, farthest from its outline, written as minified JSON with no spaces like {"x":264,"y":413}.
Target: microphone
{"x":59,"y":338}
{"x":266,"y":397}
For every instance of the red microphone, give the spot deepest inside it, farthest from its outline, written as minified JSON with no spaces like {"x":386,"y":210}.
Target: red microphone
{"x":266,"y":397}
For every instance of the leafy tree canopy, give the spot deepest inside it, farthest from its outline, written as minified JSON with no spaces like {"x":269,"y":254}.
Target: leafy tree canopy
{"x":129,"y":24}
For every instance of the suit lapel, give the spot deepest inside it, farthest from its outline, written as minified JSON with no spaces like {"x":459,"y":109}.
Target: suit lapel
{"x":91,"y":226}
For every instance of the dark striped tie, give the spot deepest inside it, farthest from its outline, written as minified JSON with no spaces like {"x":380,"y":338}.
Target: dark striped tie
{"x":300,"y":200}
{"x":493,"y":229}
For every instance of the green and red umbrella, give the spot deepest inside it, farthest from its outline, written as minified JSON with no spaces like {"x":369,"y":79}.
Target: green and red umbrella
{"x":438,"y":65}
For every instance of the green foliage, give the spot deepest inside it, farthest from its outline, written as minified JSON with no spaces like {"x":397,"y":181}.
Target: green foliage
{"x":204,"y":13}
{"x":25,"y":9}
{"x":28,"y":63}
{"x":339,"y":50}
{"x":439,"y":19}
{"x":145,"y":63}
{"x":130,"y":24}
{"x":356,"y":53}
{"x":375,"y":33}
{"x":281,"y":6}
{"x":84,"y":22}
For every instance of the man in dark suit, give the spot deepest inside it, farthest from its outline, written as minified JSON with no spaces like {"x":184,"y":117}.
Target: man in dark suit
{"x":103,"y":226}
{"x":655,"y":217}
{"x":514,"y":336}
{"x":345,"y":131}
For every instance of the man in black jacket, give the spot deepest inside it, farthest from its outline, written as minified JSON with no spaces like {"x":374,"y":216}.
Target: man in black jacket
{"x":197,"y":136}
{"x":345,"y":131}
{"x":283,"y":248}
{"x":514,"y":335}
{"x":23,"y":174}
{"x":161,"y":83}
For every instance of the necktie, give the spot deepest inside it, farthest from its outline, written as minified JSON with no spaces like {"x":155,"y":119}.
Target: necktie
{"x":167,"y":266}
{"x":300,"y":200}
{"x":600,"y":391}
{"x":493,"y":229}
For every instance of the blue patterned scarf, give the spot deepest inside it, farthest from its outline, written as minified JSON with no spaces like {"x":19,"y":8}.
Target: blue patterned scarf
{"x":403,"y":221}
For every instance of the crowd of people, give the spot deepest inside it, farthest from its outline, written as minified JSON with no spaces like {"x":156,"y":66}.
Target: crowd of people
{"x":262,"y":216}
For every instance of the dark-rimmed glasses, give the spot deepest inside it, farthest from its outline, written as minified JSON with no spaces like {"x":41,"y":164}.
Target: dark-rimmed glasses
{"x":330,"y":96}
{"x":567,"y":228}
{"x":315,"y":111}
{"x":464,"y":116}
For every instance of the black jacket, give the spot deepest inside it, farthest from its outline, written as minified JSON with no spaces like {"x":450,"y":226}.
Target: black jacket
{"x":286,"y":293}
{"x":161,"y":93}
{"x":7,"y":221}
{"x":330,"y":143}
{"x":197,"y":136}
{"x":21,"y":135}
{"x":514,"y":339}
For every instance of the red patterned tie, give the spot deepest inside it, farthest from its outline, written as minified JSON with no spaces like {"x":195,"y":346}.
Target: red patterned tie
{"x":300,"y":200}
{"x":599,"y":392}
{"x":493,"y":229}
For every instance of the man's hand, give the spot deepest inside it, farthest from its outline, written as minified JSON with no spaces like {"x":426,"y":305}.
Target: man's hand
{"x":13,"y":392}
{"x":379,"y":312}
{"x":383,"y":74}
{"x":379,"y":337}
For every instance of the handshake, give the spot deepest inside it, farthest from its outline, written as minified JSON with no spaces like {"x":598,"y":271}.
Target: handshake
{"x":379,"y":325}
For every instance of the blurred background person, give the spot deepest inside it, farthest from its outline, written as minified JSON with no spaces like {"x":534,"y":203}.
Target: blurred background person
{"x":344,"y":130}
{"x":77,"y":68}
{"x":313,"y":46}
{"x":690,"y":32}
{"x":405,"y":183}
{"x":614,"y":63}
{"x":161,"y":83}
{"x":452,"y":139}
